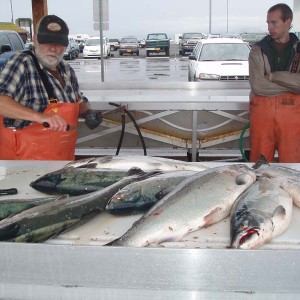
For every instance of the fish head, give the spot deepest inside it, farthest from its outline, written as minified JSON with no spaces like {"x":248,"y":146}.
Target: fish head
{"x":249,"y":230}
{"x":126,"y":195}
{"x":48,"y":182}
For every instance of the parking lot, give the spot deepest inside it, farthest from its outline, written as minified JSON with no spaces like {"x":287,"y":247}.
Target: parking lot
{"x":134,"y":68}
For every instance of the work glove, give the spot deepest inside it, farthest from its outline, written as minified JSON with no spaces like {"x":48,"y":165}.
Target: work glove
{"x":93,"y":118}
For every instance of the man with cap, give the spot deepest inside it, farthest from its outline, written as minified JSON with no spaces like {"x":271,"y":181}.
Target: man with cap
{"x":40,"y":100}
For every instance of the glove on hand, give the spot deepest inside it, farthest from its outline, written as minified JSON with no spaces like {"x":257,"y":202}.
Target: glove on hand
{"x":93,"y":118}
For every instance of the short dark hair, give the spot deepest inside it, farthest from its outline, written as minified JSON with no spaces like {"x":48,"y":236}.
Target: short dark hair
{"x":286,"y":12}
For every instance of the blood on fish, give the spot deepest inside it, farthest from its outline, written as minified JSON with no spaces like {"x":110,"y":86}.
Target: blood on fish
{"x":248,"y":233}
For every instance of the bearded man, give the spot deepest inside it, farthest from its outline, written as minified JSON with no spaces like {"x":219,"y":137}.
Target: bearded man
{"x":40,"y":100}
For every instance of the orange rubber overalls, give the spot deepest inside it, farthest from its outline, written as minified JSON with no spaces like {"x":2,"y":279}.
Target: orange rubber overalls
{"x":35,"y":142}
{"x":277,"y":120}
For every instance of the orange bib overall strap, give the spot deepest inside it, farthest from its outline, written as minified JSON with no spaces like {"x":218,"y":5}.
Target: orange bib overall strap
{"x":36,"y":142}
{"x":275,"y":125}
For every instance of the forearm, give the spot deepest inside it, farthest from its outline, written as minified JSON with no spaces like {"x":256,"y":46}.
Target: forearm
{"x":259,"y":74}
{"x":288,"y":80}
{"x":11,"y":109}
{"x":264,"y":87}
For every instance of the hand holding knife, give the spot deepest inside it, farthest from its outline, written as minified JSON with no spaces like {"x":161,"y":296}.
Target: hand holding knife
{"x":69,"y":127}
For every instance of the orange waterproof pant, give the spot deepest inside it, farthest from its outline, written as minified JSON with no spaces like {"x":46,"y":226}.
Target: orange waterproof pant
{"x":36,"y":142}
{"x":275,"y":125}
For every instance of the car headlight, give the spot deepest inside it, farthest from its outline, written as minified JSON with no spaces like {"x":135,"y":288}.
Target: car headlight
{"x":204,"y":76}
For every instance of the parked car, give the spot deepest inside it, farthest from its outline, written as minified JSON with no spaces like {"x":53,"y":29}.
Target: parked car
{"x":252,"y":38}
{"x":142,"y":43}
{"x":223,"y":59}
{"x":114,"y":44}
{"x":29,"y":46}
{"x":157,"y":43}
{"x":92,"y":48}
{"x":72,"y":50}
{"x":188,"y":41}
{"x":10,"y":42}
{"x":129,"y":45}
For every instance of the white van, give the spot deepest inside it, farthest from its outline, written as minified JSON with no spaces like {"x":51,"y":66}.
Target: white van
{"x":92,"y":47}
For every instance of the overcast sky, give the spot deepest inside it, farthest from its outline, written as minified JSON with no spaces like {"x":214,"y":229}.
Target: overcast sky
{"x":139,"y":17}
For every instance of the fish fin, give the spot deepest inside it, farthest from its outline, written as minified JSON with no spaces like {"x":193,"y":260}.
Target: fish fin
{"x":261,"y":161}
{"x":241,"y":179}
{"x":279,"y":212}
{"x":144,"y":175}
{"x":62,"y":197}
{"x":114,"y":242}
{"x":209,"y":219}
{"x":135,"y":171}
{"x":81,"y":163}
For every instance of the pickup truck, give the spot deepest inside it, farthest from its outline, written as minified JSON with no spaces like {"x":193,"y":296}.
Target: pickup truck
{"x":156,"y":43}
{"x":10,"y":42}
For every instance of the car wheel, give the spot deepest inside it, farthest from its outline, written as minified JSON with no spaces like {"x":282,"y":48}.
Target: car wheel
{"x":167,"y":52}
{"x":189,"y":77}
{"x":137,"y":53}
{"x":182,"y":53}
{"x":147,"y":53}
{"x":121,"y":53}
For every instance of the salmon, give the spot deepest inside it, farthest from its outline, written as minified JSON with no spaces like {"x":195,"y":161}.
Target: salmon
{"x":260,"y":214}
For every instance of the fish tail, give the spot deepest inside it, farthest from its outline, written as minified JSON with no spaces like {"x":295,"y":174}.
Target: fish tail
{"x":261,"y":161}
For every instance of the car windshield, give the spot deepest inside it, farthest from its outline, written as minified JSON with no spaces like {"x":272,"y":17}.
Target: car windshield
{"x":192,"y":36}
{"x":129,"y":40}
{"x":157,"y":36}
{"x":92,"y":42}
{"x":219,"y":52}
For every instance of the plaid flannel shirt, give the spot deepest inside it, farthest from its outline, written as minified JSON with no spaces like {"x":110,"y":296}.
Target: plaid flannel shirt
{"x":20,"y":80}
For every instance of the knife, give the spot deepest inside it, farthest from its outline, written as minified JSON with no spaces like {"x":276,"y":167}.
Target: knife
{"x":11,"y":191}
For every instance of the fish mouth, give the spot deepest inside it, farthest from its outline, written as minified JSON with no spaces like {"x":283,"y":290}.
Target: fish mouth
{"x":247,"y":235}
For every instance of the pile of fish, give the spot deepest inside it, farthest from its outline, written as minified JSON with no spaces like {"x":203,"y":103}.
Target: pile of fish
{"x":175,"y":197}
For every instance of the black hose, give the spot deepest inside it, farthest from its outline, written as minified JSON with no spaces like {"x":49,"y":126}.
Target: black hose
{"x":138,"y":131}
{"x":122,"y":134}
{"x":135,"y":125}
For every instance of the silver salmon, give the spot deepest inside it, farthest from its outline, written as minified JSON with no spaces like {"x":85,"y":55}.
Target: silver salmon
{"x":140,"y":196}
{"x":146,"y":163}
{"x":260,"y":214}
{"x":79,"y":181}
{"x":200,"y":201}
{"x":46,"y":220}
{"x":11,"y":207}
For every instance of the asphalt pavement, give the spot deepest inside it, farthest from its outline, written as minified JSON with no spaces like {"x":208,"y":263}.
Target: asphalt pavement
{"x":130,"y":67}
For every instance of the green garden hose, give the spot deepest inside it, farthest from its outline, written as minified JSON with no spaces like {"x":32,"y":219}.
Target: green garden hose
{"x":241,"y":141}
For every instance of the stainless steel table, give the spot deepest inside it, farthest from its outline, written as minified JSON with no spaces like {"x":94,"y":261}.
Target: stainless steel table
{"x":74,"y":265}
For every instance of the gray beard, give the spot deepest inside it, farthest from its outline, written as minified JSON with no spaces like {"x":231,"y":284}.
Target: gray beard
{"x":44,"y":61}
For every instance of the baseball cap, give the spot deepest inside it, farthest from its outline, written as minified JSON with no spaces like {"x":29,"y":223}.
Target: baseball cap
{"x":53,"y":30}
